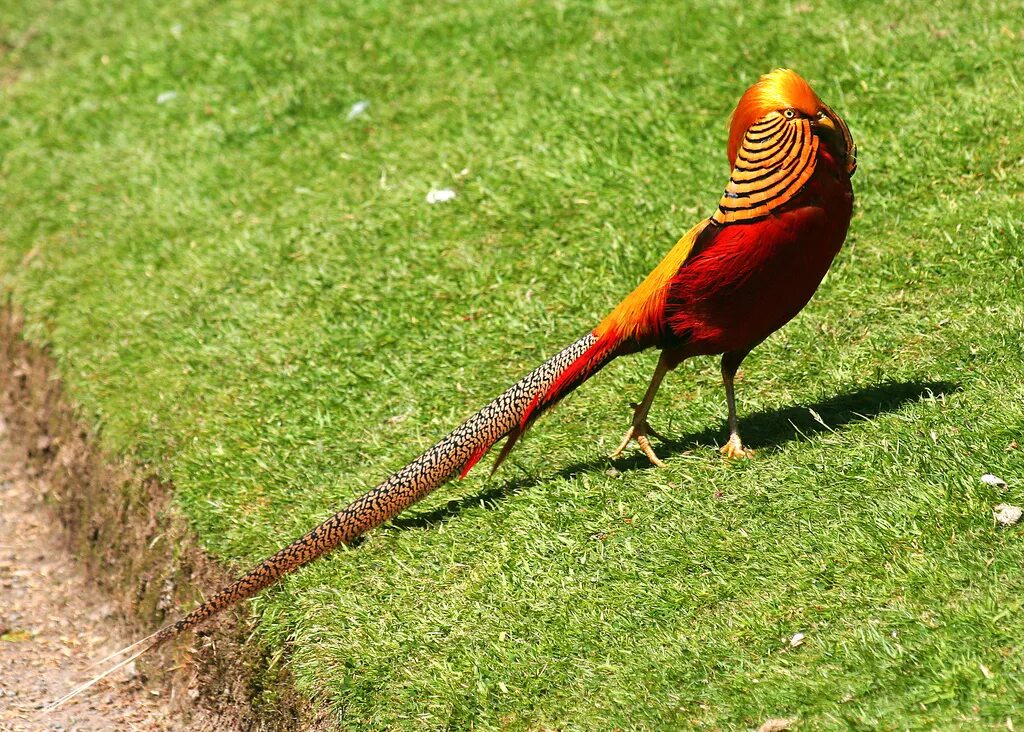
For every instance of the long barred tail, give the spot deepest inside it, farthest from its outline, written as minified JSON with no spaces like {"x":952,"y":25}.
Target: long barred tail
{"x":429,"y":471}
{"x":507,"y":415}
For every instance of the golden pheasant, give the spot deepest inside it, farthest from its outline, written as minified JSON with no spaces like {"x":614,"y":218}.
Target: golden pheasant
{"x":730,"y":282}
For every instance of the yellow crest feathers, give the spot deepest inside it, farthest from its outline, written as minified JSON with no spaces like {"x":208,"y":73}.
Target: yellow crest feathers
{"x":775,"y":91}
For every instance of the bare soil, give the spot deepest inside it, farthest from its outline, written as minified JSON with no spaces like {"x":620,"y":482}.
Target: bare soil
{"x":53,"y":621}
{"x":94,"y":555}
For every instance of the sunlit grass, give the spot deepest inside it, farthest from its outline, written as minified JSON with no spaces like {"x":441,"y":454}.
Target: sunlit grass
{"x":247,"y":291}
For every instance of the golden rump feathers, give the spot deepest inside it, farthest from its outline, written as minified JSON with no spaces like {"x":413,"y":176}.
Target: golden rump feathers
{"x":775,"y":91}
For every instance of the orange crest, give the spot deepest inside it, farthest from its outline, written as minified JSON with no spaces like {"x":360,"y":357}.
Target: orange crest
{"x":775,"y":91}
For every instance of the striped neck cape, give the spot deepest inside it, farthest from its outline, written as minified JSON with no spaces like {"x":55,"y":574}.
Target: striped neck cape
{"x":775,"y":161}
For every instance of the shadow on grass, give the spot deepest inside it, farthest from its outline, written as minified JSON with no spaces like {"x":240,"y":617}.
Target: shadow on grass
{"x":761,"y":430}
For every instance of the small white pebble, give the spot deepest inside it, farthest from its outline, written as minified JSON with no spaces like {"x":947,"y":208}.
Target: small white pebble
{"x":357,"y":109}
{"x":167,"y":96}
{"x":1006,"y":514}
{"x":993,"y":480}
{"x":440,"y":196}
{"x":797,"y":640}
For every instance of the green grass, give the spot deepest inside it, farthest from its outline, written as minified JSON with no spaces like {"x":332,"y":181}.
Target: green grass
{"x":247,"y":292}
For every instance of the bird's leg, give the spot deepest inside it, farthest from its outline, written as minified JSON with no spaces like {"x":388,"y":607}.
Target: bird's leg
{"x":730,"y":365}
{"x":640,"y":430}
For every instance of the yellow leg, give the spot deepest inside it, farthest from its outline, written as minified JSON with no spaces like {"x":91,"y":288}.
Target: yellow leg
{"x":734,"y":447}
{"x":640,"y":430}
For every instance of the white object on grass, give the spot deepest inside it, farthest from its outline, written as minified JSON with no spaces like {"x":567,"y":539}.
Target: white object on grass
{"x":1006,"y":514}
{"x":357,"y":109}
{"x":993,"y":480}
{"x":440,"y":195}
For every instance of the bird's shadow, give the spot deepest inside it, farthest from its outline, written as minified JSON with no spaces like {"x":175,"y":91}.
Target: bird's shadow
{"x":765,"y":429}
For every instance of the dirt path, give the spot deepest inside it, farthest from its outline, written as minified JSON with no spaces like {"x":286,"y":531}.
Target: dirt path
{"x":53,"y":622}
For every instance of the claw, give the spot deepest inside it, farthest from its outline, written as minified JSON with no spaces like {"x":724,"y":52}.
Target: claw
{"x":639,"y":433}
{"x":734,"y":448}
{"x":623,"y":444}
{"x":645,"y":445}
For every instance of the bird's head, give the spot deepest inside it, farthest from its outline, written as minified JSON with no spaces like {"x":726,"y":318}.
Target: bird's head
{"x":785,"y":92}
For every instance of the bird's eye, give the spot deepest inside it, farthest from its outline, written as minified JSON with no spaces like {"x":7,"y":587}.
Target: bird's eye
{"x":789,"y":114}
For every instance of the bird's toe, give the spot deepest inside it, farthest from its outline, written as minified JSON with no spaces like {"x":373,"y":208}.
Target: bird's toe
{"x":734,"y":449}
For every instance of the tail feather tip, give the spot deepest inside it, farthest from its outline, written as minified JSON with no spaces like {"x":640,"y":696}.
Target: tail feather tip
{"x":85,"y":686}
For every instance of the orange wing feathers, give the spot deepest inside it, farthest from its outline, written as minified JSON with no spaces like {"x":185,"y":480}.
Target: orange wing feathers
{"x":639,"y":316}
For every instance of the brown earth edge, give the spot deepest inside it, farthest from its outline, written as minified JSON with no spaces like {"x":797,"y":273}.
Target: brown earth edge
{"x":136,"y":549}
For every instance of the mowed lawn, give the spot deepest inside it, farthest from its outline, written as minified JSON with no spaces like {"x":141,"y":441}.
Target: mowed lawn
{"x":248,"y":294}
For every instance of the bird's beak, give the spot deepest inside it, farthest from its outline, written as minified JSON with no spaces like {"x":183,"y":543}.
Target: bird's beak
{"x":833,"y":131}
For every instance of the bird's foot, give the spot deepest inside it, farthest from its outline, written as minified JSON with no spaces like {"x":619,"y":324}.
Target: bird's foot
{"x":640,"y":432}
{"x":734,"y":448}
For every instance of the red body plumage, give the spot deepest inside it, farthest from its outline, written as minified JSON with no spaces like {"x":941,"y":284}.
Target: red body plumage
{"x":749,"y":280}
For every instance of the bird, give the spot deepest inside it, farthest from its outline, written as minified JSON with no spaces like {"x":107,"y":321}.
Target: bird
{"x":731,"y":281}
